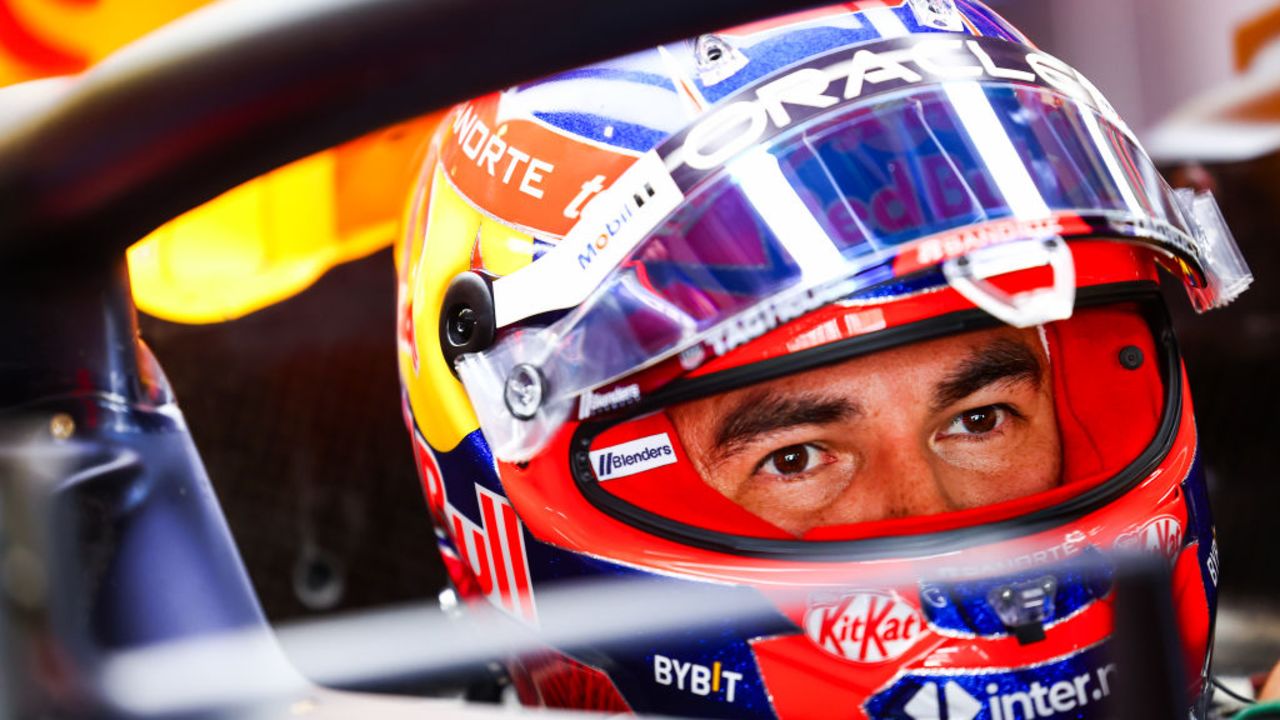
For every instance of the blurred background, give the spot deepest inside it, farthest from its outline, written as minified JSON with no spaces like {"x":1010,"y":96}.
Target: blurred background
{"x":1148,"y":56}
{"x":283,"y":357}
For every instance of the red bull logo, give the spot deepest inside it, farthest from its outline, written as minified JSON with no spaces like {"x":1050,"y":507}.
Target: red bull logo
{"x":428,"y":469}
{"x":496,"y":554}
{"x":864,"y":627}
{"x":494,"y":551}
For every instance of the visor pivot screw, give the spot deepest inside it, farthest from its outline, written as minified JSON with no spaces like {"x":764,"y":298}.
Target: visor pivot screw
{"x":1131,"y":358}
{"x":709,"y":50}
{"x":525,"y":391}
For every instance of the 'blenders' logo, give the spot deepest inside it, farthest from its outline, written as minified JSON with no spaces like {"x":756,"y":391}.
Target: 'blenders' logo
{"x":633,"y":457}
{"x":592,"y":403}
{"x":864,"y":627}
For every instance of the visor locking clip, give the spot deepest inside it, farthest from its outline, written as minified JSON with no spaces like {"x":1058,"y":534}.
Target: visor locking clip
{"x":970,"y":276}
{"x":1025,"y":607}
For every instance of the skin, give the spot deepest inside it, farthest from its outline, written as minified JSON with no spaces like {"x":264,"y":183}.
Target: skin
{"x":1270,"y":691}
{"x":951,"y":424}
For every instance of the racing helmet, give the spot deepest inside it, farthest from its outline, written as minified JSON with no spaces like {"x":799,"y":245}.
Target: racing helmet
{"x":855,"y":312}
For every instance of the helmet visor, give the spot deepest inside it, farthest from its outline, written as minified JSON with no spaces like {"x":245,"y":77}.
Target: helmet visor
{"x":846,"y":201}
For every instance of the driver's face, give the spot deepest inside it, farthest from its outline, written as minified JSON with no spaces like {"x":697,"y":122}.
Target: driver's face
{"x":950,"y":424}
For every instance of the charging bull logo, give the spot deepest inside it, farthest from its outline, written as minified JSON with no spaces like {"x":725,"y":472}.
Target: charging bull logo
{"x":864,"y":627}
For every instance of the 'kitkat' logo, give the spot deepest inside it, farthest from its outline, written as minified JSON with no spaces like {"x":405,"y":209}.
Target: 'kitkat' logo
{"x":1161,"y":534}
{"x":864,"y":627}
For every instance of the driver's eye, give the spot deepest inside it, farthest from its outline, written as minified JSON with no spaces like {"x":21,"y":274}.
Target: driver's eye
{"x":977,"y":421}
{"x":791,"y":460}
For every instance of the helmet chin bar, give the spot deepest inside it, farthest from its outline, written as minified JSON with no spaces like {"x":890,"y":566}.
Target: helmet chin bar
{"x":969,"y":275}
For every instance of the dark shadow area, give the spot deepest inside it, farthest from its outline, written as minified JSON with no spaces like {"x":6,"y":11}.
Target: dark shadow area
{"x":1233,"y":361}
{"x":296,"y":412}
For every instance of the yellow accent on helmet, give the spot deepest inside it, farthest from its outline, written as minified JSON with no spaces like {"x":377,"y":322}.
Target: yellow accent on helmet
{"x":503,"y":249}
{"x":445,"y":233}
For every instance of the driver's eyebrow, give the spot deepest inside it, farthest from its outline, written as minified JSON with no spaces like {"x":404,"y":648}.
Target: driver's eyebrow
{"x":1000,"y":361}
{"x":763,"y":412}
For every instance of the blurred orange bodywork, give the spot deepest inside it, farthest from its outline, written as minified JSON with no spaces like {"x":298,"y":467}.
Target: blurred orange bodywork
{"x":256,"y":244}
{"x":272,"y":237}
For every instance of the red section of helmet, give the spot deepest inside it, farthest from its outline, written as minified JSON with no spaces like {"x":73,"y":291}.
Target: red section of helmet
{"x":1193,"y":611}
{"x":464,"y":581}
{"x":556,"y":681}
{"x":678,"y":494}
{"x":1107,"y":413}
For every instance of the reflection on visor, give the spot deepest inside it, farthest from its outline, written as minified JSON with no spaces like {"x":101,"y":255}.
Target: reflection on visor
{"x":844,"y":204}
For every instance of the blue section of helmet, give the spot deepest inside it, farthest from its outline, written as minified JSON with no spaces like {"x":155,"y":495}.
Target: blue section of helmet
{"x":783,"y":49}
{"x":636,"y":659}
{"x":604,"y":129}
{"x":599,"y":72}
{"x":464,"y":467}
{"x":740,"y":695}
{"x":928,"y":280}
{"x":1195,"y":494}
{"x":965,"y":607}
{"x":541,"y":247}
{"x":643,"y":664}
{"x":1076,"y":686}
